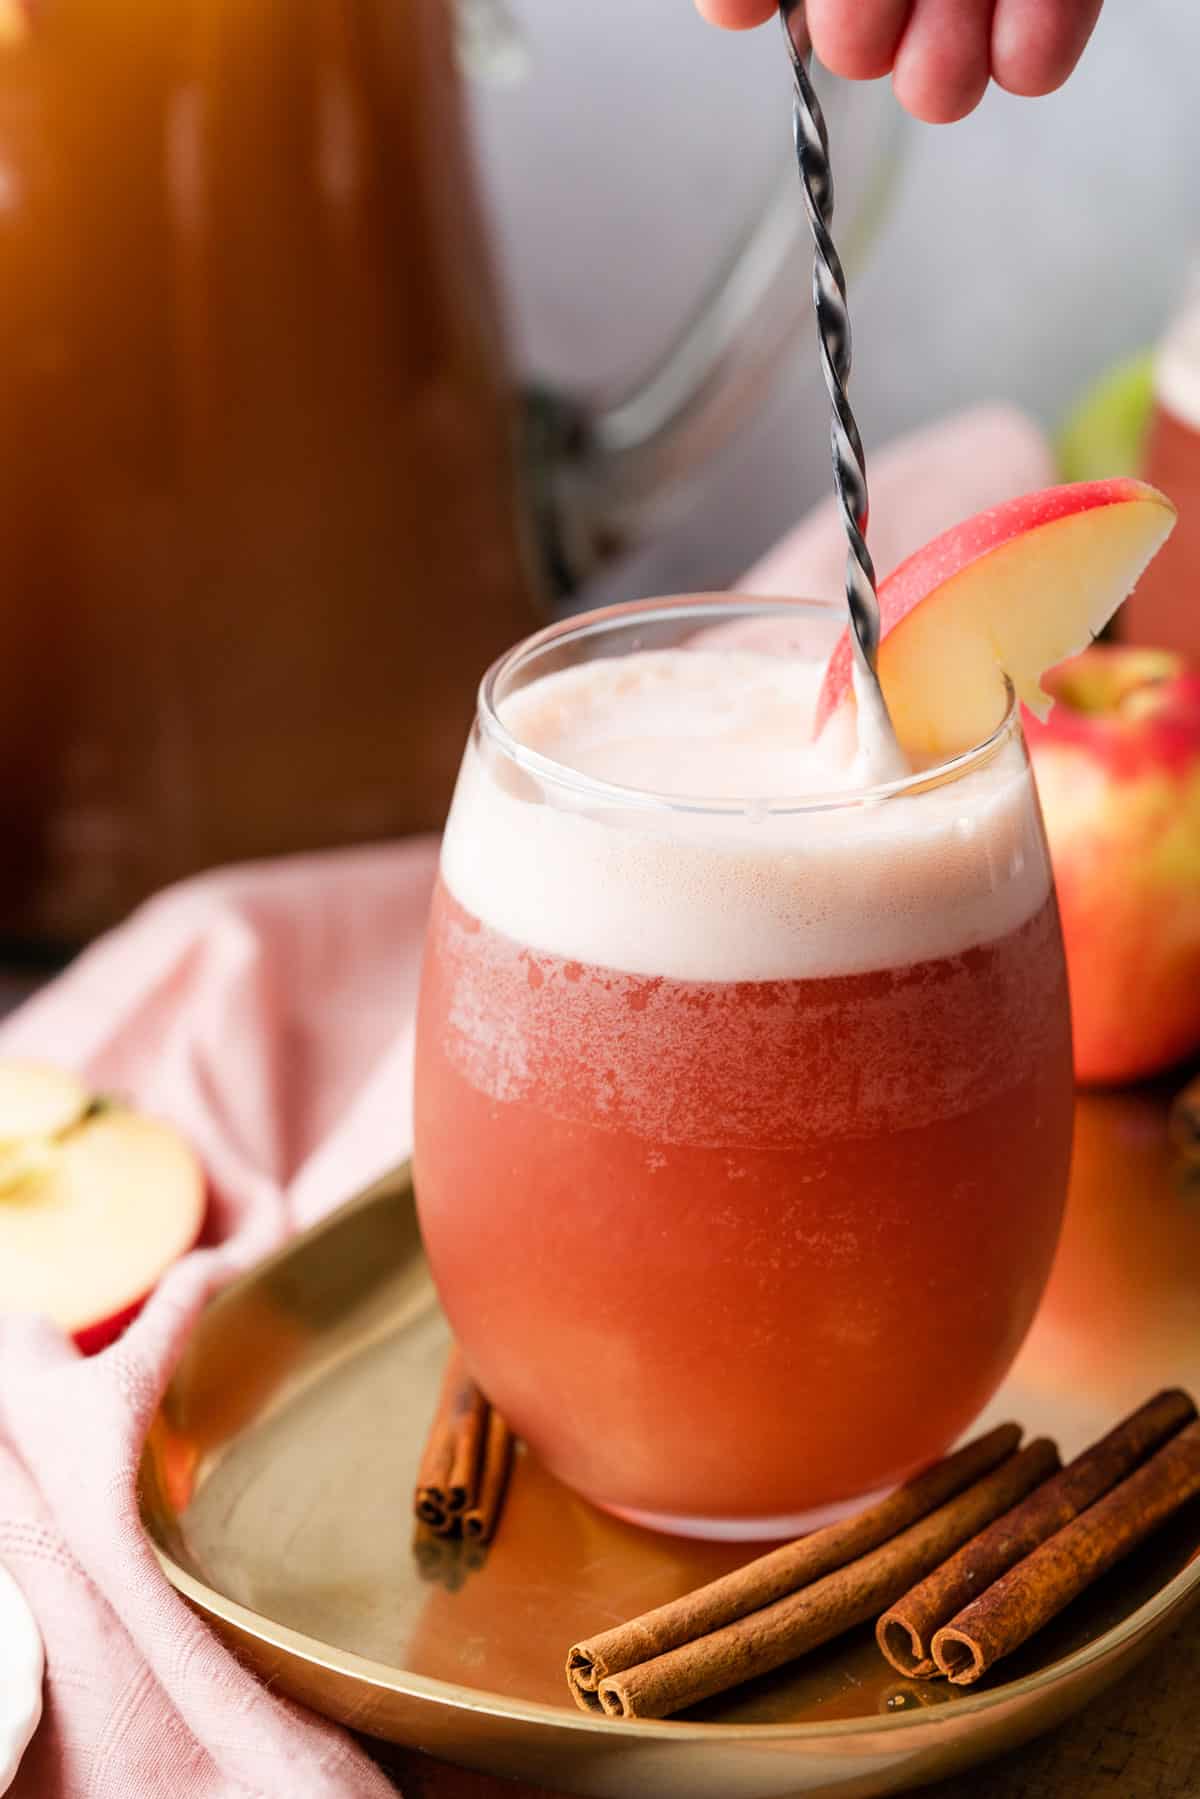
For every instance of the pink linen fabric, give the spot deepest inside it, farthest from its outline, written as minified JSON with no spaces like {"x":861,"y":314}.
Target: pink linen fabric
{"x":268,"y":1012}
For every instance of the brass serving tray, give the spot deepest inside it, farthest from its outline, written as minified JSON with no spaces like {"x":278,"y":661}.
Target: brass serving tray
{"x":277,"y":1481}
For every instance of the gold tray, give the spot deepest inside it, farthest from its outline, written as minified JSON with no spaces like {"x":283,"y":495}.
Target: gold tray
{"x":277,"y":1479}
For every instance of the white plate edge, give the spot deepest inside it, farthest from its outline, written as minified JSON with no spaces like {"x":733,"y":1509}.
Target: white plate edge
{"x":22,"y":1666}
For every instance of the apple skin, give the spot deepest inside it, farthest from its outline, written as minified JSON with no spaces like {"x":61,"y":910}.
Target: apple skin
{"x":1117,"y":764}
{"x":90,"y":1339}
{"x":1045,"y":545}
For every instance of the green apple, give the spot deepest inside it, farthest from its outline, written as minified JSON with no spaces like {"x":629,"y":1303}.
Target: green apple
{"x":1105,"y":433}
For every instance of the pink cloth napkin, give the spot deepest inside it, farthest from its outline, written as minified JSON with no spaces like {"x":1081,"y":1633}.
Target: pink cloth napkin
{"x":268,"y":1011}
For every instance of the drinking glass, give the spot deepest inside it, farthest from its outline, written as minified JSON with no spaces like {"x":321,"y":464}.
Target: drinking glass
{"x":742,"y":1125}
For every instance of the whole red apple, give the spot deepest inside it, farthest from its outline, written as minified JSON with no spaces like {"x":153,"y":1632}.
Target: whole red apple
{"x":1118,"y":772}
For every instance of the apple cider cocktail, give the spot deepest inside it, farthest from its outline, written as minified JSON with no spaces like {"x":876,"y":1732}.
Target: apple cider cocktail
{"x":742,"y":1122}
{"x":744,"y":1086}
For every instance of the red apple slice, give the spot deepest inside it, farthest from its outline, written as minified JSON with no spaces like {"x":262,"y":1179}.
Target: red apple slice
{"x":93,"y":1211}
{"x":1009,"y":592}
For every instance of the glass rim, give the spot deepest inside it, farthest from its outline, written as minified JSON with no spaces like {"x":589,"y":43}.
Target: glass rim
{"x":583,"y":625}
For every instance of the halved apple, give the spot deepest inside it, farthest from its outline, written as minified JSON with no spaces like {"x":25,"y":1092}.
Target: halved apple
{"x":1009,"y":592}
{"x":96,"y":1202}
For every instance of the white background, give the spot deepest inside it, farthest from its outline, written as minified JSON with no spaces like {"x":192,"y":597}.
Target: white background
{"x":1026,"y":247}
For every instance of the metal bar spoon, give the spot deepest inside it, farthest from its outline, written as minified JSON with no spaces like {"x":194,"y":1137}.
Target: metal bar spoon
{"x":849,"y":461}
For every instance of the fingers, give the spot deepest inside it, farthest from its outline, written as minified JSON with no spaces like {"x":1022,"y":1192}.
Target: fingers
{"x":736,"y":15}
{"x":943,"y":62}
{"x":940,"y":52}
{"x":1036,"y":43}
{"x":857,"y":41}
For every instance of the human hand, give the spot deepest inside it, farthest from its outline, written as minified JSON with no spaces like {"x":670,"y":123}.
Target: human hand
{"x":940,"y":53}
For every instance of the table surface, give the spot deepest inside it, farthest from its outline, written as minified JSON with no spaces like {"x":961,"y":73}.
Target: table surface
{"x":1138,"y":1741}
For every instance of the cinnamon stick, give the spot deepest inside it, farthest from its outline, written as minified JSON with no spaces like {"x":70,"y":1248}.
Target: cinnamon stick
{"x":1033,"y":1592}
{"x":766,"y":1639}
{"x":905,"y":1632}
{"x":1185,"y":1121}
{"x":464,"y":1468}
{"x":447,"y":1475}
{"x":480,"y":1518}
{"x":780,"y":1572}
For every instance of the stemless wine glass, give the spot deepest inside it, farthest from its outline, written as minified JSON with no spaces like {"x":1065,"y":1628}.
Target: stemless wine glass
{"x":742,"y":1124}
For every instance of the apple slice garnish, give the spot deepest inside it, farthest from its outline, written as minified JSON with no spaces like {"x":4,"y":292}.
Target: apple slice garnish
{"x":96,"y":1202}
{"x":1013,"y":591}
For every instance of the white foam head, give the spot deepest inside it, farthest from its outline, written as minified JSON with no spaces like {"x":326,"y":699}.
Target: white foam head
{"x":748,"y":887}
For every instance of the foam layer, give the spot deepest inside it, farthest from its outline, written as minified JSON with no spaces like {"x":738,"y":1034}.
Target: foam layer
{"x":760,"y":893}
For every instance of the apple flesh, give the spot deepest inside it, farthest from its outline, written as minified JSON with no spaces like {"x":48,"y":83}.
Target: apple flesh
{"x":38,"y":1102}
{"x":37,"y":1105}
{"x":1010,"y":592}
{"x":1117,"y":764}
{"x":96,"y":1202}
